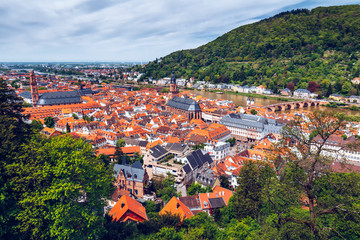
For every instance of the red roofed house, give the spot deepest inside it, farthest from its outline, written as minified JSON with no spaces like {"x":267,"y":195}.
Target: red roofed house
{"x":128,"y":209}
{"x":217,"y":199}
{"x":188,"y":206}
{"x":176,"y":207}
{"x":50,"y":132}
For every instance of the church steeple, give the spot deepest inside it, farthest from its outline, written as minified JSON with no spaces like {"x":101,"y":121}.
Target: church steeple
{"x":173,"y":88}
{"x":173,"y":79}
{"x":34,"y":89}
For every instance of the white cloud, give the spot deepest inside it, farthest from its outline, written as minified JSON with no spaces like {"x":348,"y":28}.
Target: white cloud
{"x":112,"y":30}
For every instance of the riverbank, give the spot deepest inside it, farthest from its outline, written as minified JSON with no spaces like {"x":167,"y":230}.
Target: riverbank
{"x":346,"y":106}
{"x":255,"y":95}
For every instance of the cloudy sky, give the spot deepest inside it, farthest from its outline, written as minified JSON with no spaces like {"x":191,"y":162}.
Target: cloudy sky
{"x":125,"y":30}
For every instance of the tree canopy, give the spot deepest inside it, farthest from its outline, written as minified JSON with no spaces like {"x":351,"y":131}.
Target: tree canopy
{"x":61,"y":188}
{"x":308,"y":192}
{"x":49,"y":122}
{"x":13,"y":133}
{"x":167,"y":189}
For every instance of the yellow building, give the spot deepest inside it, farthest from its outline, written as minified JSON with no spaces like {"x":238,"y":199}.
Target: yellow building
{"x":336,"y":97}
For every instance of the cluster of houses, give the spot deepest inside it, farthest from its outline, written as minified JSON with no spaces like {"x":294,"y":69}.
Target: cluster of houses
{"x":181,"y":134}
{"x":340,"y":98}
{"x":298,"y":93}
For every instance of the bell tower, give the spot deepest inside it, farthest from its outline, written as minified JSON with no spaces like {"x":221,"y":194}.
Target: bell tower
{"x":173,"y":88}
{"x":34,"y":89}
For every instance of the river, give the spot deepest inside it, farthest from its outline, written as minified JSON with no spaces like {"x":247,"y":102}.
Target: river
{"x":241,"y":101}
{"x":237,"y":99}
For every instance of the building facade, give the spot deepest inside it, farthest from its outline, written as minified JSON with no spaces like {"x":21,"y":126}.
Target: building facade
{"x":219,"y":151}
{"x":247,"y":127}
{"x":184,"y":106}
{"x":131,"y":178}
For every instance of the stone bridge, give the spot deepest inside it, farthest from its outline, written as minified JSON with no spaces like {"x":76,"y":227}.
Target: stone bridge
{"x":294,"y":105}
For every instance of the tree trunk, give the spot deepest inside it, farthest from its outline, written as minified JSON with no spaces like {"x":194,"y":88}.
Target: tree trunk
{"x":312,"y":212}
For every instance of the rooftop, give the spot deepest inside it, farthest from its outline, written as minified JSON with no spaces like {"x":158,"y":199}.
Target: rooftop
{"x":184,"y":104}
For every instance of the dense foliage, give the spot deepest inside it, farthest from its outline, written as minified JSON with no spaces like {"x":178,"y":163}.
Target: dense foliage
{"x":13,"y":133}
{"x":68,"y":188}
{"x":321,"y":45}
{"x":166,"y":190}
{"x":196,"y":188}
{"x":49,"y":188}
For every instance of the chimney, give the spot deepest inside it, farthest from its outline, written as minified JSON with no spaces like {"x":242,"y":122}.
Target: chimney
{"x":177,"y":205}
{"x":122,"y":205}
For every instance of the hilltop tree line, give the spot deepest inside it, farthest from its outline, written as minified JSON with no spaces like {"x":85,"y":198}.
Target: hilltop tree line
{"x":300,"y":46}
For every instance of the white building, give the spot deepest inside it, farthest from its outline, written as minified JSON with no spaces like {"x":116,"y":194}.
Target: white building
{"x":247,"y":127}
{"x":219,"y":151}
{"x":354,"y":99}
{"x":302,"y":93}
{"x":338,"y":148}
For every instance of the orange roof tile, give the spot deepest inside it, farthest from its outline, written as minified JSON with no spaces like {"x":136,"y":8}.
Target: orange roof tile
{"x":106,"y":151}
{"x":176,"y":207}
{"x":226,"y":194}
{"x":131,"y":149}
{"x":126,"y":205}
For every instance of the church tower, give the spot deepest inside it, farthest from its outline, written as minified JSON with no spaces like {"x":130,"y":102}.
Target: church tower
{"x":173,"y":88}
{"x":34,"y":89}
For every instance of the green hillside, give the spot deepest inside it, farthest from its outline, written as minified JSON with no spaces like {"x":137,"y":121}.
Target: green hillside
{"x":299,"y":46}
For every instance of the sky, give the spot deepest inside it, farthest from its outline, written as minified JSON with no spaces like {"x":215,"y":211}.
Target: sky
{"x":125,"y":30}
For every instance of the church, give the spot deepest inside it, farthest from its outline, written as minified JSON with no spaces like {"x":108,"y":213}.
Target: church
{"x":49,"y":98}
{"x":182,"y":106}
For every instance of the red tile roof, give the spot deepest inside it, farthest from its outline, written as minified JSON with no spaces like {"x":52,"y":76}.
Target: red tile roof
{"x":126,"y":209}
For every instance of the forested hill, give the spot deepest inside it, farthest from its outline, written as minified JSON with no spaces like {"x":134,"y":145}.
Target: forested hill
{"x":299,"y":46}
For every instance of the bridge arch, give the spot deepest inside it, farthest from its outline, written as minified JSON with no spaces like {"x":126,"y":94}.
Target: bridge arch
{"x":278,"y":108}
{"x":292,"y":105}
{"x":289,"y":106}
